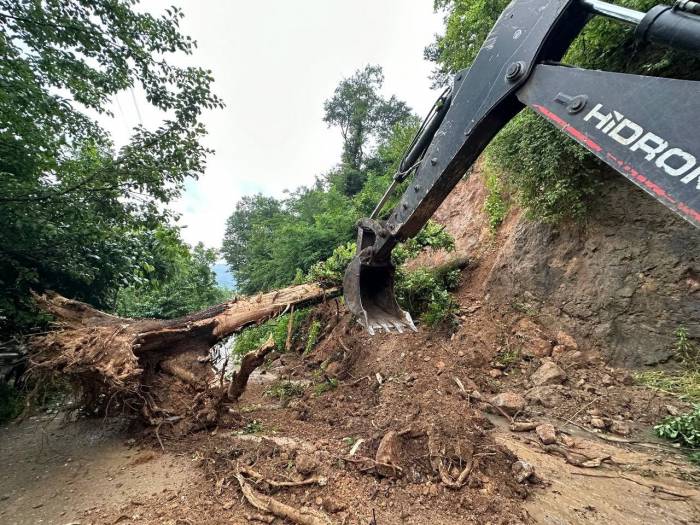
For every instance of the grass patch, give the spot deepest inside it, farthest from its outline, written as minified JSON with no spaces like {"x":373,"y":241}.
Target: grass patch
{"x":284,"y":390}
{"x":507,"y":357}
{"x":326,"y":386}
{"x":312,"y":337}
{"x":254,"y":427}
{"x":496,"y":206}
{"x":684,"y":430}
{"x":684,"y":385}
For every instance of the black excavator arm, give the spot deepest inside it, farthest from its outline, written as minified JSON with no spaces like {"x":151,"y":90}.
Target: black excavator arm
{"x":644,"y":127}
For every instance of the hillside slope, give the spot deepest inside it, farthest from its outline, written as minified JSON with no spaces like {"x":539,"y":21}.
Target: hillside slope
{"x":622,"y":283}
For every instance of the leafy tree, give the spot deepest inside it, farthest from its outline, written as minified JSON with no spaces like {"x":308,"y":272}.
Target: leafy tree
{"x":363,"y":116}
{"x":175,"y":282}
{"x":268,"y":242}
{"x":553,"y":177}
{"x":75,"y":211}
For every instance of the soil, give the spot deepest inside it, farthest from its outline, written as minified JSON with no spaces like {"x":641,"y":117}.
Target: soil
{"x":448,"y":455}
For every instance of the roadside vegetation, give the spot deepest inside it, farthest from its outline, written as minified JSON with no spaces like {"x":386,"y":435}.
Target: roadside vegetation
{"x":683,"y":429}
{"x":549,"y":175}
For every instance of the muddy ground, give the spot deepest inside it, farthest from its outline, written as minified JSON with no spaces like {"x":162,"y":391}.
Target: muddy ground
{"x":443,"y":403}
{"x":96,"y":472}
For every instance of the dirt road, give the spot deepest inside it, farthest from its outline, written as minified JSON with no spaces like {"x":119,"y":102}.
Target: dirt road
{"x":56,"y":473}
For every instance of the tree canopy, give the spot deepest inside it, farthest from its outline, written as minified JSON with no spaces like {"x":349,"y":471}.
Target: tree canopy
{"x":551,"y":176}
{"x":78,"y":213}
{"x":271,"y":242}
{"x":364,"y":117}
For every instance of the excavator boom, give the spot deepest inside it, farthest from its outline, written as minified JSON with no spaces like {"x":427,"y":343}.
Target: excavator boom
{"x":644,"y":127}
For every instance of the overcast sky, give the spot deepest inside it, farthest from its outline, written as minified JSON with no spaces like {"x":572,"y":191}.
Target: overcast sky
{"x":275,"y":62}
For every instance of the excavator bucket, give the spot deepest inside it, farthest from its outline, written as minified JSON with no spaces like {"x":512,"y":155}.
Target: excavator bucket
{"x":369,"y":295}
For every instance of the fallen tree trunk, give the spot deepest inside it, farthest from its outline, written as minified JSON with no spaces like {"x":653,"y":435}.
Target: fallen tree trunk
{"x":159,"y":368}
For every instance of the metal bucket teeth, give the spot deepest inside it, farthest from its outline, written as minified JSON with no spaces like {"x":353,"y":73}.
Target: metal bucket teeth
{"x":369,"y":295}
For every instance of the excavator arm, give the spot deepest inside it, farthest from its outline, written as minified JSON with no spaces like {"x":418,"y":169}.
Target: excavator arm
{"x":644,"y":127}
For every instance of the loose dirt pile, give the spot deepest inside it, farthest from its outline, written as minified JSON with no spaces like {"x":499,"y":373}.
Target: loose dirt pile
{"x":507,"y":417}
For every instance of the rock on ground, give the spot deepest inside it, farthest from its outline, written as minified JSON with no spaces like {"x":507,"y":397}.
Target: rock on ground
{"x":548,"y":374}
{"x":509,"y":402}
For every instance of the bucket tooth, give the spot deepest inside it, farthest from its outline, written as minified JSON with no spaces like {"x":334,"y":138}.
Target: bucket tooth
{"x":369,"y":295}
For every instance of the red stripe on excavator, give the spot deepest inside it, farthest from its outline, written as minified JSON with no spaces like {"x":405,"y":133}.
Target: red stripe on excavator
{"x":631,"y":172}
{"x":568,"y":128}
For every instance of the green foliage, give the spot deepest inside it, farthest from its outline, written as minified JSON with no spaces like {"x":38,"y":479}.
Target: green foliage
{"x":76,"y":213}
{"x":424,"y":293}
{"x":330,"y":271}
{"x":683,"y":429}
{"x":285,"y":390}
{"x":253,"y":427}
{"x":11,"y":402}
{"x":685,"y":385}
{"x":552,"y":177}
{"x":176,"y":282}
{"x":254,"y":336}
{"x":362,"y":115}
{"x":686,"y":350}
{"x":496,"y":205}
{"x":268,"y":242}
{"x":328,"y":384}
{"x":432,"y":237}
{"x":312,"y":337}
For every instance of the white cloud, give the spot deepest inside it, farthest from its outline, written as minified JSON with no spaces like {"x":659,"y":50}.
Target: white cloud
{"x":275,"y":63}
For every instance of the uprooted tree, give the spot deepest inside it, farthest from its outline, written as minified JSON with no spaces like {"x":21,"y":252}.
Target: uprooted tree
{"x":159,"y":369}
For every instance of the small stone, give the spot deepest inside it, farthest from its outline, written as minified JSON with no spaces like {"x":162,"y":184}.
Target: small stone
{"x":547,"y":433}
{"x":333,"y":369}
{"x":566,"y":340}
{"x":597,"y":422}
{"x":595,"y":412}
{"x":620,"y":427}
{"x":547,"y":396}
{"x":475,"y":395}
{"x":319,"y":501}
{"x":333,"y":505}
{"x":305,"y":464}
{"x":227,"y":505}
{"x":539,"y":347}
{"x":607,"y":380}
{"x":568,"y":441}
{"x":558,"y":351}
{"x":522,"y":470}
{"x":495,"y":373}
{"x":432,"y":490}
{"x":548,"y":374}
{"x":673,"y":411}
{"x":440,"y":365}
{"x":625,"y":377}
{"x":460,"y":353}
{"x":426,"y":359}
{"x":509,"y":402}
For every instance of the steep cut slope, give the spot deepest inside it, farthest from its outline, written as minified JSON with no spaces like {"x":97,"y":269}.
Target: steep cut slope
{"x":622,"y":283}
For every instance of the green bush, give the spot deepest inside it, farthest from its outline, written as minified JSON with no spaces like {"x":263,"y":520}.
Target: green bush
{"x":496,"y":206}
{"x":552,"y":177}
{"x":312,"y":337}
{"x":686,"y":350}
{"x":284,"y":390}
{"x":683,"y":429}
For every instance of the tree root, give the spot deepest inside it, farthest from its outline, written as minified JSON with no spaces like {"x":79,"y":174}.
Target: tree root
{"x":249,"y":363}
{"x":437,"y":462}
{"x":303,"y":516}
{"x":316,"y":480}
